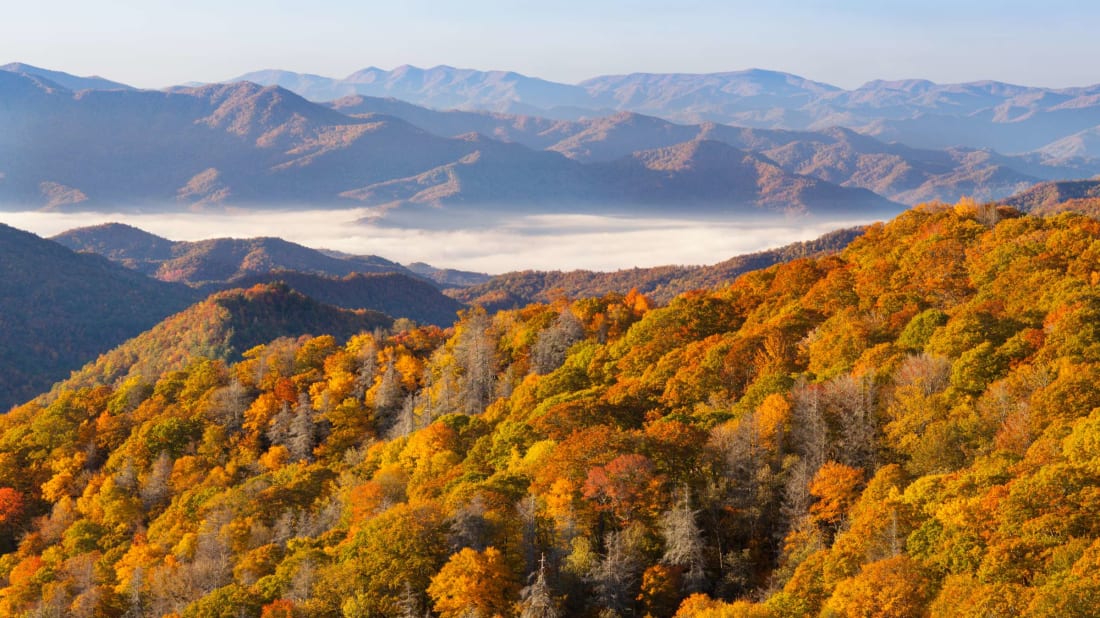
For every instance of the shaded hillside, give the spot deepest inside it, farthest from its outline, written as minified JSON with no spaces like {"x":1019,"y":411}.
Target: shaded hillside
{"x":343,"y":280}
{"x":906,"y":428}
{"x":59,"y":310}
{"x":394,"y":294}
{"x":223,"y":327}
{"x":213,"y":262}
{"x":132,"y":247}
{"x":518,"y":289}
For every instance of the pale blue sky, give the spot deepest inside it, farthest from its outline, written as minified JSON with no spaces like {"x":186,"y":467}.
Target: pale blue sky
{"x":154,"y":43}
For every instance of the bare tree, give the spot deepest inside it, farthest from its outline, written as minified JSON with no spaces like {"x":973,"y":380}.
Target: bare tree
{"x":809,"y":431}
{"x":684,"y":542}
{"x":301,"y":432}
{"x":851,"y":402}
{"x":410,"y":605}
{"x":388,"y":398}
{"x":229,"y":405}
{"x":615,"y":575}
{"x":537,"y":600}
{"x":368,"y":368}
{"x":527,"y":512}
{"x":475,"y":351}
{"x":278,"y":429}
{"x":553,"y":344}
{"x":156,"y":490}
{"x":927,"y":372}
{"x":469,"y":527}
{"x":406,"y":419}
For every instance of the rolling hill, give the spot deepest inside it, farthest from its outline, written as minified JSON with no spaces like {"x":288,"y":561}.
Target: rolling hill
{"x":66,"y":80}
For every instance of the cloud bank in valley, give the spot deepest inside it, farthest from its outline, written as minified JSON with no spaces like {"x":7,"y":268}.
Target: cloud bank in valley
{"x":543,"y":242}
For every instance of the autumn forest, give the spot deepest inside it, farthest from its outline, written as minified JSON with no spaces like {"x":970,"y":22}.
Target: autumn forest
{"x":906,"y":427}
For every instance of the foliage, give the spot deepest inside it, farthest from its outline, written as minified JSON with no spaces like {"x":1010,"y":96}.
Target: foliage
{"x":908,"y":428}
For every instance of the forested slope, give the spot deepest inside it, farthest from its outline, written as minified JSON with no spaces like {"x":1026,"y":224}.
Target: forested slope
{"x":907,"y":428}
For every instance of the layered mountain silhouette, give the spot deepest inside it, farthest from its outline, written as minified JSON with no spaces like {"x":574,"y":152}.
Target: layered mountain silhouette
{"x":842,"y":156}
{"x":246,"y":145}
{"x":79,"y":143}
{"x":985,"y":114}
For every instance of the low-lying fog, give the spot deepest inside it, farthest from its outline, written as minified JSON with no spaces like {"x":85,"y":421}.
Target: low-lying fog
{"x":544,"y":242}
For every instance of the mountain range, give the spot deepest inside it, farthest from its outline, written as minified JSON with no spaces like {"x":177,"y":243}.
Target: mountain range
{"x":246,"y":145}
{"x":838,"y":155}
{"x":984,"y":114}
{"x":92,"y":145}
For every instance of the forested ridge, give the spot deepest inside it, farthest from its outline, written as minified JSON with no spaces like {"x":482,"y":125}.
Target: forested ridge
{"x":910,"y":427}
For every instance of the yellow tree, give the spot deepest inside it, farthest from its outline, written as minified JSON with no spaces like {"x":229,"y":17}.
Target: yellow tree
{"x":474,"y":583}
{"x":894,"y":587}
{"x":837,"y":487}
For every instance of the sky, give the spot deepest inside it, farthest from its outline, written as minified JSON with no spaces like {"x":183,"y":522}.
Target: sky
{"x":156,"y":43}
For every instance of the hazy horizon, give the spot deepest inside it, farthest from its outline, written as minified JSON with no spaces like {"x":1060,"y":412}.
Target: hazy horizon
{"x":847,"y":43}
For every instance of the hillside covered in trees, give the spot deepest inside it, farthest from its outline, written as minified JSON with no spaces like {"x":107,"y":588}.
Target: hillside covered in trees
{"x":910,"y":427}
